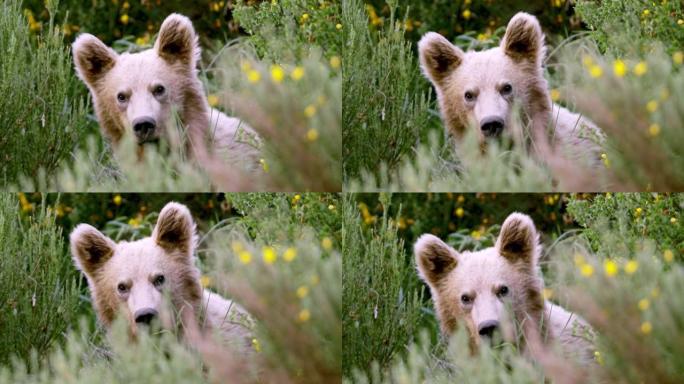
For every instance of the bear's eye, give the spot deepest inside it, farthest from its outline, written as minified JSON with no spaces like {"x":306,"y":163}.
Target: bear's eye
{"x":159,"y":90}
{"x":503,"y":291}
{"x":506,"y":89}
{"x":121,"y":97}
{"x":469,"y":96}
{"x":122,"y":288}
{"x":465,"y":299}
{"x":159,"y":280}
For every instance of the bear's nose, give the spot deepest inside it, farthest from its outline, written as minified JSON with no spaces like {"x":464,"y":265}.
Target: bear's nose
{"x":145,"y":315}
{"x":492,"y":126}
{"x":143,"y":127}
{"x":487,"y":328}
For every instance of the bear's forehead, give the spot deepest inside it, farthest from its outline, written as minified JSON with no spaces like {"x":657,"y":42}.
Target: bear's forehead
{"x":487,"y":66}
{"x":140,"y":67}
{"x":481,"y":269}
{"x":140,"y":257}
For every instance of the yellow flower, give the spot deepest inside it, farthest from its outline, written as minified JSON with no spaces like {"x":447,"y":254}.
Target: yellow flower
{"x":117,"y":200}
{"x":264,"y":164}
{"x":547,"y":293}
{"x":326,"y":243}
{"x":466,"y":14}
{"x":610,"y":268}
{"x":245,"y":257}
{"x":236,"y":246}
{"x":253,"y":76}
{"x":296,"y":198}
{"x":213,"y":100}
{"x":638,"y":211}
{"x":310,"y":110}
{"x":335,"y":62}
{"x":631,"y":267}
{"x":640,"y":68}
{"x":652,"y":106}
{"x":297,"y":73}
{"x":475,"y":234}
{"x":277,"y":74}
{"x":289,"y":254}
{"x":644,"y":304}
{"x":312,"y":135}
{"x":459,"y":212}
{"x":305,"y":17}
{"x":555,"y":94}
{"x":125,"y":5}
{"x":606,"y":161}
{"x":302,"y":291}
{"x":654,"y":129}
{"x":205,"y":281}
{"x":678,"y":57}
{"x":331,"y":207}
{"x":586,"y":270}
{"x":269,"y":254}
{"x":133,"y":222}
{"x":256,"y":345}
{"x":304,"y":316}
{"x":598,"y":357}
{"x":673,"y":220}
{"x":646,"y":12}
{"x":646,"y":327}
{"x":595,"y":71}
{"x":619,"y":68}
{"x":124,"y":19}
{"x":680,"y":22}
{"x":460,"y":199}
{"x":668,"y":255}
{"x":338,"y":26}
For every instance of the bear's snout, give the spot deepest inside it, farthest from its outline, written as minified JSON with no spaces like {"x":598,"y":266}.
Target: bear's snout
{"x":145,"y":315}
{"x":487,"y":328}
{"x":492,"y":126}
{"x":144,"y":128}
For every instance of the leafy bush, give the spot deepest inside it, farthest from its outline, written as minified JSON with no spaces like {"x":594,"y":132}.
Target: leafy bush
{"x":43,"y":111}
{"x":39,"y":294}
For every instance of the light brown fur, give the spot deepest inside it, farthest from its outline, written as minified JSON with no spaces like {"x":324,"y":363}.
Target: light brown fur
{"x":137,"y":265}
{"x":517,"y":62}
{"x":467,"y":290}
{"x":171,"y":64}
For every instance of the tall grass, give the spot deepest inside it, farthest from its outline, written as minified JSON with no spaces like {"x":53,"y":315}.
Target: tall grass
{"x":38,"y":285}
{"x":43,"y":110}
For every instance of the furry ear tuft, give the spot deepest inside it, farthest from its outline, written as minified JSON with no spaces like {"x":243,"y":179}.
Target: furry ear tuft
{"x":177,"y":41}
{"x":175,"y":229}
{"x":438,"y":57}
{"x":90,"y":249}
{"x":434,"y":258}
{"x":93,"y":59}
{"x":518,"y":240}
{"x":524,"y":39}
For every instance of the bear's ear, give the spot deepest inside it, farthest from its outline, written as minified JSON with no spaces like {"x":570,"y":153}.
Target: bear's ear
{"x":177,"y":41}
{"x":524,"y":39}
{"x":175,"y":229}
{"x":93,"y":59}
{"x":90,"y":249}
{"x":438,"y":57}
{"x":434,"y":258}
{"x":518,"y":239}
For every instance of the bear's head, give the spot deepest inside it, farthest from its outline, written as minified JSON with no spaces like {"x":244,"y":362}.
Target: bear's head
{"x":479,"y":89}
{"x":480,"y":289}
{"x":130,"y":277}
{"x":135,"y":94}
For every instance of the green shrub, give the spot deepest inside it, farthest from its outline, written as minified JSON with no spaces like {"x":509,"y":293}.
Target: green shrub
{"x":39,"y":294}
{"x":43,"y":109}
{"x":385,"y":100}
{"x":381,"y":309}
